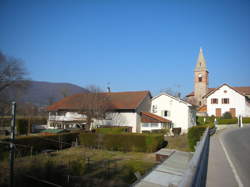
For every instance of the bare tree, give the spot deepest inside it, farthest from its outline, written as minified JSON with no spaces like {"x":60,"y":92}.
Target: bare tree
{"x":94,"y":104}
{"x":12,"y":72}
{"x":12,"y":80}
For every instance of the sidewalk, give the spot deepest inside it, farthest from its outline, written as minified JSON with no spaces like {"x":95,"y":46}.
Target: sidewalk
{"x":219,"y":171}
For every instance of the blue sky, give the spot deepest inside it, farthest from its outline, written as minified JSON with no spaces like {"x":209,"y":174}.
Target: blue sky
{"x":134,"y":45}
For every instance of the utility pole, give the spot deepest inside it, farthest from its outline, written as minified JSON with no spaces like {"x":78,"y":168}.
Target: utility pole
{"x":12,"y":138}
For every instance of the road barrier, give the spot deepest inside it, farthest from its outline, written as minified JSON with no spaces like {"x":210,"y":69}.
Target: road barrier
{"x":196,"y":173}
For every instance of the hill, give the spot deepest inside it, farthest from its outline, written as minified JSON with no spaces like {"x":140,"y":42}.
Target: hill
{"x":46,"y":93}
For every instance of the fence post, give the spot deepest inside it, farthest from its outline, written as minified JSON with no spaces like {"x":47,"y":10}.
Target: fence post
{"x":12,"y":139}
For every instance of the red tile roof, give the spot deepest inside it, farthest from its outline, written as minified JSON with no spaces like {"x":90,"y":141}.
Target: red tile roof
{"x":241,"y":90}
{"x":118,"y":100}
{"x":147,"y":117}
{"x":244,"y":90}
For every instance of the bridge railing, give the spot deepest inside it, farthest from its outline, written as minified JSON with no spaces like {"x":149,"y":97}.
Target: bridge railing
{"x":196,"y":173}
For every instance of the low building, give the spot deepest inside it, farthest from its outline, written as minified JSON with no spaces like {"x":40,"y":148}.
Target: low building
{"x":124,"y":110}
{"x":225,"y":98}
{"x":179,"y":112}
{"x":151,"y":122}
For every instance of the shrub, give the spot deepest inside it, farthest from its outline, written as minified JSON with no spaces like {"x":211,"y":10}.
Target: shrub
{"x":123,"y":142}
{"x":40,"y":143}
{"x":194,"y":135}
{"x":208,"y":120}
{"x":22,"y":126}
{"x":246,"y":120}
{"x":112,"y":130}
{"x":227,"y":115}
{"x":227,"y":121}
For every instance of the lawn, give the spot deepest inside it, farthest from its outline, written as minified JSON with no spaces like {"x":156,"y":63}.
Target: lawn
{"x":81,"y":166}
{"x":178,"y":143}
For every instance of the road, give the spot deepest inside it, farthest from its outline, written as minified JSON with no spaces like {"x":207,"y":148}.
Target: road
{"x":237,"y":145}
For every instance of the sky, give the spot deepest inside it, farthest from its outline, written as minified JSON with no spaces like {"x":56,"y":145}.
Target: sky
{"x":129,"y":45}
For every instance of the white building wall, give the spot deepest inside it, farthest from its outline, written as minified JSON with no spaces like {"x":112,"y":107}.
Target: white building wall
{"x":180,"y":113}
{"x":247,"y":109}
{"x":119,"y":119}
{"x":236,"y":101}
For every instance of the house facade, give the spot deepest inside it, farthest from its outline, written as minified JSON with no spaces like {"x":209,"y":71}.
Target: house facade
{"x":229,"y":99}
{"x":178,"y":111}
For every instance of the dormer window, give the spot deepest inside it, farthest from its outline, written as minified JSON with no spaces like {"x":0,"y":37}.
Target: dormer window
{"x":200,"y":77}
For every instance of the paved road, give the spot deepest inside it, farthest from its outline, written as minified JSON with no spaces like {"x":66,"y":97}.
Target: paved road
{"x":237,"y":144}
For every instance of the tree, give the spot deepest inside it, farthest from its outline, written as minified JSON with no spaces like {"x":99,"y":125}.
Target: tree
{"x":12,"y":72}
{"x":94,"y":104}
{"x":12,"y":80}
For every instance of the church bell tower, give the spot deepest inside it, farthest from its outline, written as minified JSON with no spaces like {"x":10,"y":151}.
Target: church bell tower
{"x":200,"y":80}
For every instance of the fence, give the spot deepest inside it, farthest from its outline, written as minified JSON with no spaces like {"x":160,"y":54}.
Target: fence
{"x":196,"y":173}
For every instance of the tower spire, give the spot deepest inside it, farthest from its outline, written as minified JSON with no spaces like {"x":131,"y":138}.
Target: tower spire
{"x":201,"y":64}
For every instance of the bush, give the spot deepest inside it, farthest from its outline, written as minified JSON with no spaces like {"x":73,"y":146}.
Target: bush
{"x":123,"y":142}
{"x":40,"y":143}
{"x":227,"y":121}
{"x":112,"y":130}
{"x":227,"y":115}
{"x":208,"y":120}
{"x":246,"y":120}
{"x":22,"y":126}
{"x":194,"y":135}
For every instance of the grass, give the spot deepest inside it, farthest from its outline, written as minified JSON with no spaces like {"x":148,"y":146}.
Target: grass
{"x":90,"y":167}
{"x":178,"y":143}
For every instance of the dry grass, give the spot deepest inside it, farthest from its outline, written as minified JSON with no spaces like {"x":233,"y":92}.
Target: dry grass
{"x":178,"y":143}
{"x":94,"y":167}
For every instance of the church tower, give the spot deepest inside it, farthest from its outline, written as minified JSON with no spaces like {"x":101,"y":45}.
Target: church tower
{"x":200,"y":80}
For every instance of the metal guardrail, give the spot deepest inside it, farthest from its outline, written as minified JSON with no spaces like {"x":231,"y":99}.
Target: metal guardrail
{"x":196,"y":173}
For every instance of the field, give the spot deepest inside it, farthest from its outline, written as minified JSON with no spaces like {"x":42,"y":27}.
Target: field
{"x":79,"y":166}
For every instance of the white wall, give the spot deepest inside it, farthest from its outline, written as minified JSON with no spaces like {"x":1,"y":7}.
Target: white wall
{"x":180,"y":113}
{"x":236,"y":101}
{"x":119,"y":119}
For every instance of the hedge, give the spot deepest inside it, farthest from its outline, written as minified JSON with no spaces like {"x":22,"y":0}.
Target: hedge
{"x":246,"y":120}
{"x":42,"y":142}
{"x":194,"y":134}
{"x":227,"y":121}
{"x":112,"y":130}
{"x":209,"y":120}
{"x":123,"y":142}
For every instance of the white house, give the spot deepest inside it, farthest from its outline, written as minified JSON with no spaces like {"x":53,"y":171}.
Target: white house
{"x":225,"y":98}
{"x":178,"y":111}
{"x":125,"y":110}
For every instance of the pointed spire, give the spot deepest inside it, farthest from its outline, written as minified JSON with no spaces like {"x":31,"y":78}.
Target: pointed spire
{"x":201,"y":62}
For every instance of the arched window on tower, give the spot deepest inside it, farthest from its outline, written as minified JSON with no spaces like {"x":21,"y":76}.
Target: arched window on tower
{"x":200,"y":77}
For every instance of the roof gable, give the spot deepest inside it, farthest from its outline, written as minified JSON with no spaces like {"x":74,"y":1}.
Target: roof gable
{"x":240,"y":90}
{"x":173,"y":97}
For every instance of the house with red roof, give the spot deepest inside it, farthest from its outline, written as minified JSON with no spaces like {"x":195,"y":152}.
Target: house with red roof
{"x":124,"y":109}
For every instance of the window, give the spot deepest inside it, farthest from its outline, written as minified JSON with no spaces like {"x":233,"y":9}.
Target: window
{"x":154,"y":125}
{"x":154,"y":108}
{"x":214,"y":101}
{"x":200,"y":78}
{"x":146,"y":125}
{"x":225,"y":101}
{"x":166,"y":113}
